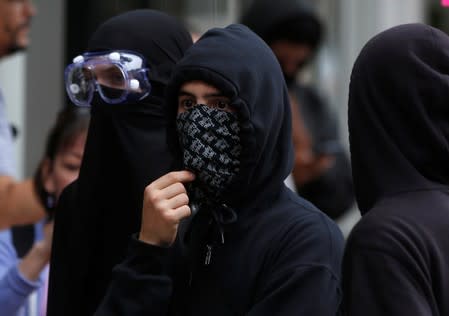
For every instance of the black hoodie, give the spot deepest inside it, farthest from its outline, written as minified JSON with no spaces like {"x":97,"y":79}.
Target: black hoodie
{"x":126,"y":149}
{"x":292,"y":20}
{"x":279,"y":255}
{"x":397,"y":257}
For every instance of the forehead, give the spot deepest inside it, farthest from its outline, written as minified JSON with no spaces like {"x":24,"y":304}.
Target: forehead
{"x":198,"y":87}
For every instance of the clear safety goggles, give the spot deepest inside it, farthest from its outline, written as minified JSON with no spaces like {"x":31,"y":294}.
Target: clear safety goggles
{"x":118,"y":76}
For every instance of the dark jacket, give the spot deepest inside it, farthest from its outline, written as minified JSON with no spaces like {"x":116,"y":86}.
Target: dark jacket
{"x":397,"y":257}
{"x":270,"y":252}
{"x":332,"y":192}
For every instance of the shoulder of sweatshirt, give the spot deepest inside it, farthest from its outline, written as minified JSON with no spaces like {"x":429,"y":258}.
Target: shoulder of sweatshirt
{"x":301,"y":234}
{"x":418,"y":218}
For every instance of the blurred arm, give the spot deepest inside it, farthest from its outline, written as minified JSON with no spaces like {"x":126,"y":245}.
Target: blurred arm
{"x":14,"y":286}
{"x":19,"y":203}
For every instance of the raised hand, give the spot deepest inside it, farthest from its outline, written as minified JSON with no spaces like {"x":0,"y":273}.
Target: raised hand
{"x":165,"y":203}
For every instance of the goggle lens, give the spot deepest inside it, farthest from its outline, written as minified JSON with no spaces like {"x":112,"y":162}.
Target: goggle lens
{"x":117,"y":76}
{"x":80,"y":85}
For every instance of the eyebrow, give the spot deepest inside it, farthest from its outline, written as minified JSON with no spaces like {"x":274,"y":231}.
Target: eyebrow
{"x":208,"y":95}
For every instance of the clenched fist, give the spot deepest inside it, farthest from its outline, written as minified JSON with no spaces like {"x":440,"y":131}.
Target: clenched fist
{"x":165,"y":203}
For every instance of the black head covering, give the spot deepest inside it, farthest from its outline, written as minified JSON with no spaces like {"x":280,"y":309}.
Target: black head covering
{"x":284,"y":19}
{"x":238,"y":63}
{"x":159,"y":38}
{"x":126,"y":150}
{"x":398,"y":113}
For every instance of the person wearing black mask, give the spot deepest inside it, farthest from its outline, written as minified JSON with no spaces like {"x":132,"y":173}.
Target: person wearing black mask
{"x":225,"y":236}
{"x":396,"y":258}
{"x":122,"y":76}
{"x":321,"y":170}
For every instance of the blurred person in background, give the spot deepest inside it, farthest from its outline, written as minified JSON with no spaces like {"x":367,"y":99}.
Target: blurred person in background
{"x":122,"y":76}
{"x":397,"y":256}
{"x":25,"y":250}
{"x":321,"y":171}
{"x":19,"y":203}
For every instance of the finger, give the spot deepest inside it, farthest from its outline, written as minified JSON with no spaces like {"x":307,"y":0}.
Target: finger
{"x":173,"y":190}
{"x":170,"y":178}
{"x":177,"y":201}
{"x":181,"y":212}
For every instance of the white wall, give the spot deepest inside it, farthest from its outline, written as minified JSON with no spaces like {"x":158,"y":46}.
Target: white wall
{"x":44,"y":78}
{"x":12,"y":85}
{"x":31,"y":83}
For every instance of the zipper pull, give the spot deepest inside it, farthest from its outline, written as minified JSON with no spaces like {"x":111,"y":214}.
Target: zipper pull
{"x":208,"y":255}
{"x":190,"y":279}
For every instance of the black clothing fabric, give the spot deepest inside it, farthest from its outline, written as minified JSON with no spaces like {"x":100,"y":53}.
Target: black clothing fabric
{"x":284,"y":19}
{"x":265,"y":250}
{"x":332,"y":192}
{"x":126,"y":149}
{"x":23,"y":239}
{"x":397,"y":257}
{"x":211,"y":146}
{"x":159,"y":38}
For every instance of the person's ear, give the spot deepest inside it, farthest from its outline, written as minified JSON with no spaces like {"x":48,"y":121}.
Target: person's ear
{"x":47,"y":176}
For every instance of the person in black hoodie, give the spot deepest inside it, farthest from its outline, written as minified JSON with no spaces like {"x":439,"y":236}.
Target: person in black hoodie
{"x":321,"y":170}
{"x":126,"y":148}
{"x":397,"y":257}
{"x":251,"y":245}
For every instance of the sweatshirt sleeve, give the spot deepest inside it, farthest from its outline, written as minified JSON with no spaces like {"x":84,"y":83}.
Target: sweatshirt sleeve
{"x":14,"y":287}
{"x":304,"y":273}
{"x":141,"y":285}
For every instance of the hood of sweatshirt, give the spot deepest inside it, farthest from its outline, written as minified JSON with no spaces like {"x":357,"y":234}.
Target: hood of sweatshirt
{"x":398,"y":113}
{"x":239,"y":63}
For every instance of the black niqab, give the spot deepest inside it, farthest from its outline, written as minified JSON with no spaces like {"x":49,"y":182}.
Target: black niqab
{"x":126,"y":149}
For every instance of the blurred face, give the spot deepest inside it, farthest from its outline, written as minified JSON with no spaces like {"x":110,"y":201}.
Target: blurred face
{"x":64,"y":169}
{"x":199,"y":92}
{"x":15,"y":18}
{"x":291,"y":55}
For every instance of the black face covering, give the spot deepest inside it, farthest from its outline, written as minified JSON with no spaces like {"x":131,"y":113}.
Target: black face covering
{"x":126,"y":149}
{"x":211,"y":147}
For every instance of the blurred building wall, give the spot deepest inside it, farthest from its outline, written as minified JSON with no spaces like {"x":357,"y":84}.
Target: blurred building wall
{"x":31,"y":82}
{"x":12,"y":85}
{"x":44,"y":79}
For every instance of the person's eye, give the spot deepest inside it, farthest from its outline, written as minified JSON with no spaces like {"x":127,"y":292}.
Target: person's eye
{"x":187,"y":103}
{"x":221,"y":104}
{"x":71,"y":167}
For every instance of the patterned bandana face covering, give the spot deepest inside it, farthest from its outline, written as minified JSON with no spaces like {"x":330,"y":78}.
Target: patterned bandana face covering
{"x":211,"y":146}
